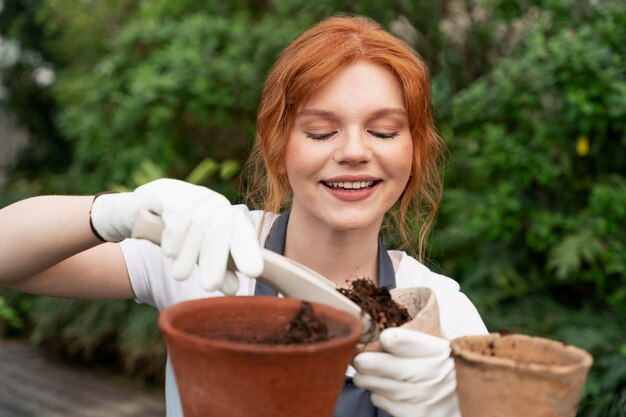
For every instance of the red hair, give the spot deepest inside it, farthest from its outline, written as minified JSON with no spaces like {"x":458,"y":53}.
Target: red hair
{"x":307,"y":63}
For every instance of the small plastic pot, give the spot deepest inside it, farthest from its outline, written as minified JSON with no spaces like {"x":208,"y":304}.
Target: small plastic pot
{"x":421,"y":304}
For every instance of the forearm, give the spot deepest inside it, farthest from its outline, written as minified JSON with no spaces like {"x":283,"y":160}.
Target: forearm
{"x":48,"y":247}
{"x":39,"y":232}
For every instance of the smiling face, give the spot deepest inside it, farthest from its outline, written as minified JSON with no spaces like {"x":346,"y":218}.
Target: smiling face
{"x":349,"y":154}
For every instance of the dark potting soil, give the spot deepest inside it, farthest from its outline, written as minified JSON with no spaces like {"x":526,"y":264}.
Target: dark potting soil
{"x":377,"y":302}
{"x":303,"y":328}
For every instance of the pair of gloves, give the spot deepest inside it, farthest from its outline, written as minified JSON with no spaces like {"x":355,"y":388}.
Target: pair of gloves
{"x":413,"y":377}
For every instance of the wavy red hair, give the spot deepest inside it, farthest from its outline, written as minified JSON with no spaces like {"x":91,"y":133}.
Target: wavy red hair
{"x":307,"y":63}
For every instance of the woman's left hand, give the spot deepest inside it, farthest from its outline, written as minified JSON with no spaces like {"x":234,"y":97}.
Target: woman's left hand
{"x":414,"y":377}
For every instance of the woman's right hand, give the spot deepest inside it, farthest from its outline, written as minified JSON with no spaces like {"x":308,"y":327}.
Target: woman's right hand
{"x":201,"y":227}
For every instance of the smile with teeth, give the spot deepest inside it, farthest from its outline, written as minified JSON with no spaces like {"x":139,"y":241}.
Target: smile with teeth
{"x":350,"y":185}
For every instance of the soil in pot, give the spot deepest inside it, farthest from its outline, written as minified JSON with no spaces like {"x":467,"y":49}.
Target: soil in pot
{"x":303,"y":328}
{"x":377,"y":302}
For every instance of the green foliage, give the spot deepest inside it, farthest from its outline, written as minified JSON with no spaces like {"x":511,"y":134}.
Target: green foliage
{"x":528,"y":206}
{"x":141,"y":349}
{"x":15,"y":307}
{"x":147,"y":171}
{"x":9,"y":316}
{"x":150,"y":98}
{"x":101,"y":331}
{"x":568,"y":256}
{"x":23,"y":53}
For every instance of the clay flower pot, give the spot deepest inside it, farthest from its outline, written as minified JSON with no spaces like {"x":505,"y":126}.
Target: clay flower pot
{"x":220,"y":377}
{"x":423,"y":309}
{"x":517,"y":375}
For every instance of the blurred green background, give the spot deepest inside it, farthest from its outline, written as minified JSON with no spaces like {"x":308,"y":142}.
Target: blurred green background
{"x":530,"y":96}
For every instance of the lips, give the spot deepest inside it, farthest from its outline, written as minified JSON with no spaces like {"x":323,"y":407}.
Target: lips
{"x":350,"y":185}
{"x":351,"y":182}
{"x":351,"y":188}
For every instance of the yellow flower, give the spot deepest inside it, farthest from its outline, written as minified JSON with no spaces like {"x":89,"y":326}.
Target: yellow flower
{"x":582,"y":145}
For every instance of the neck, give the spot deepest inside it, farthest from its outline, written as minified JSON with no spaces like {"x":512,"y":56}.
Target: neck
{"x":340,"y":255}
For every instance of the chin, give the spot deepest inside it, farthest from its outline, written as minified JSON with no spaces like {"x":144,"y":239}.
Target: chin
{"x":353,"y":223}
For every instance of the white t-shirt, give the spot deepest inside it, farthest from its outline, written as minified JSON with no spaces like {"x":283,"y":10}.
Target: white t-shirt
{"x":152,"y":282}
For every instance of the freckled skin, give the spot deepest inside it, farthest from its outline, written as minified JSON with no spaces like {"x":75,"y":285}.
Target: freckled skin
{"x":354,"y":127}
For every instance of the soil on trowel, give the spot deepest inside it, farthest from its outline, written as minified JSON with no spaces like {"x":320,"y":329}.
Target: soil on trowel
{"x":377,"y":302}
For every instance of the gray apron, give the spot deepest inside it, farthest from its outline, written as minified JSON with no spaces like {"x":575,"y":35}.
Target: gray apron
{"x":353,"y":401}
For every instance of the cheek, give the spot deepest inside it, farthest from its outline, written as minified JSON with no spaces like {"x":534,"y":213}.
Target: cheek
{"x":401,"y":162}
{"x":304,"y":158}
{"x":297,"y":159}
{"x":291,"y":157}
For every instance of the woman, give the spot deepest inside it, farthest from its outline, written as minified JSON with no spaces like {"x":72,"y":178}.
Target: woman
{"x":344,"y":136}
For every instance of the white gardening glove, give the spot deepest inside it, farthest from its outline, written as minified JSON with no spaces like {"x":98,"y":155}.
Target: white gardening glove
{"x":201,"y":226}
{"x":415,"y":377}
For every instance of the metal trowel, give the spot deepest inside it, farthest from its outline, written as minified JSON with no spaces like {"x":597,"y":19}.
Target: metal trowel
{"x":288,"y":277}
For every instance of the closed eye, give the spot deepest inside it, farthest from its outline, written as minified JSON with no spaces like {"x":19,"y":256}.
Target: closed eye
{"x":382,"y":135}
{"x":320,"y":136}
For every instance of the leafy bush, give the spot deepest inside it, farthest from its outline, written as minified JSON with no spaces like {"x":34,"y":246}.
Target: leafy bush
{"x":150,"y":98}
{"x":105,"y":331}
{"x":9,"y":316}
{"x":533,"y":194}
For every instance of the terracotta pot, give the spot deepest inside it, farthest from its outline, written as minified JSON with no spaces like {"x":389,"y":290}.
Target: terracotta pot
{"x":517,"y":375}
{"x":220,"y":377}
{"x":421,"y":305}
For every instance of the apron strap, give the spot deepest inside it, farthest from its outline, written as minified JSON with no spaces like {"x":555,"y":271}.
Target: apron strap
{"x":276,"y":243}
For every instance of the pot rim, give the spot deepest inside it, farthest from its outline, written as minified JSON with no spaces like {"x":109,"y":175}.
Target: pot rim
{"x":166,"y":316}
{"x":458,"y":351}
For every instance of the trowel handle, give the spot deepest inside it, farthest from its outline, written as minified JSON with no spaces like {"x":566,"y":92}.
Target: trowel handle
{"x":148,"y":226}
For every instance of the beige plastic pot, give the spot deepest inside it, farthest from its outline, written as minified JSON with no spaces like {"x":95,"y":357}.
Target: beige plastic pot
{"x":518,"y":376}
{"x":421,"y":304}
{"x":220,"y":377}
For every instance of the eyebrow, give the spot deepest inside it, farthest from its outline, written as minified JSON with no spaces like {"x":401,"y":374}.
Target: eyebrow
{"x":380,"y":113}
{"x":323,"y":114}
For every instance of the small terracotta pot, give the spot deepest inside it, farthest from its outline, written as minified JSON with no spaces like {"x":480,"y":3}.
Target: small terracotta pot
{"x":423,"y":309}
{"x":219,"y":377}
{"x":518,"y":376}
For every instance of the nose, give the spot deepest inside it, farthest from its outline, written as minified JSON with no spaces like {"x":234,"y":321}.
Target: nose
{"x":353,"y":148}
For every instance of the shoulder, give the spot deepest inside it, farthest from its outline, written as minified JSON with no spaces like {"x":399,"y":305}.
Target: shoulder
{"x":412,"y":273}
{"x":459,"y":317}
